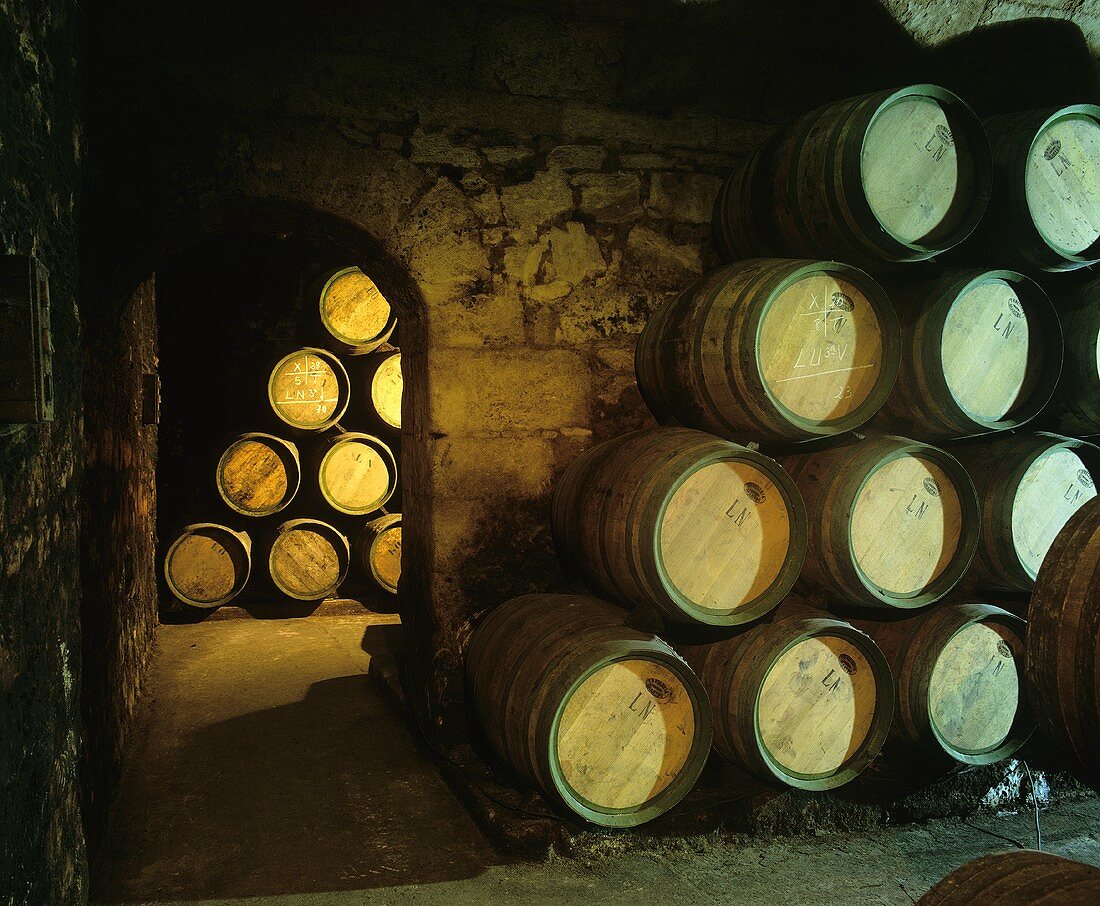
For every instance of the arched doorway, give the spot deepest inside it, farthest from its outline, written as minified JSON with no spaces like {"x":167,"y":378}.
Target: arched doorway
{"x":120,"y":558}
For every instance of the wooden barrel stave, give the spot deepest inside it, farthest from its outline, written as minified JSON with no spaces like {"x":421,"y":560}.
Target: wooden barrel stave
{"x":258,"y":474}
{"x":530,"y":671}
{"x":837,"y":485}
{"x":1075,"y":408}
{"x":952,"y":386}
{"x":1029,"y":485}
{"x":1062,"y":662}
{"x":737,"y":672}
{"x":630,"y":515}
{"x":813,"y":191}
{"x":207,"y":565}
{"x":1016,"y":878}
{"x":727,"y":355}
{"x":989,"y":719}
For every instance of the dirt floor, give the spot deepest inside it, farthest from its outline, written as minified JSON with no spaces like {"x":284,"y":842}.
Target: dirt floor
{"x":269,"y":770}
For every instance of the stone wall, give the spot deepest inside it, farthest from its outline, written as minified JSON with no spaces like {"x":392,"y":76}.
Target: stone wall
{"x":542,"y":171}
{"x":41,"y":842}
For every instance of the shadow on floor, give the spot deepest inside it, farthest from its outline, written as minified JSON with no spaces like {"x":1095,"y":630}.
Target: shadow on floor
{"x":326,"y":793}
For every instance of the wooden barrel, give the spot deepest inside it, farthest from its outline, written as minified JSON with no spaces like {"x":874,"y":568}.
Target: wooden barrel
{"x":773,"y":350}
{"x":207,"y":564}
{"x":607,"y":721}
{"x":957,"y":671}
{"x":258,"y":474}
{"x":1046,"y":203}
{"x":700,"y":528}
{"x":981,"y":352}
{"x":802,"y":698}
{"x":893,"y":522}
{"x":378,"y":389}
{"x":1029,"y":485}
{"x":355,"y":312}
{"x":1075,"y":408}
{"x":308,"y":559}
{"x":1063,"y":659}
{"x":356,"y":473}
{"x":378,"y":551}
{"x":308,"y":389}
{"x":885,"y":177}
{"x":1020,"y":877}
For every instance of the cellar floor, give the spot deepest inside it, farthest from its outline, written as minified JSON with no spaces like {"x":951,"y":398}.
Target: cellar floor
{"x":268,"y":770}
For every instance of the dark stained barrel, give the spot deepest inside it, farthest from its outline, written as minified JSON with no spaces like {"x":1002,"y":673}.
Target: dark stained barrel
{"x":700,"y":528}
{"x":802,"y":697}
{"x":1075,"y":408}
{"x":1029,"y":486}
{"x":957,"y":671}
{"x":258,"y":474}
{"x":208,"y":564}
{"x":893,"y":522}
{"x":981,"y":352}
{"x":885,"y":177}
{"x":608,"y":722}
{"x":771,"y":350}
{"x":1063,"y":658}
{"x":1017,"y":878}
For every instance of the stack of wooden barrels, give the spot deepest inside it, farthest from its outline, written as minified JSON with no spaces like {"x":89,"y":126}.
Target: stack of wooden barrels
{"x":838,"y":521}
{"x":317,"y":494}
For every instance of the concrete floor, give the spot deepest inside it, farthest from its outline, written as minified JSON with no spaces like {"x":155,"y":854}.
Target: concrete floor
{"x":270,"y":771}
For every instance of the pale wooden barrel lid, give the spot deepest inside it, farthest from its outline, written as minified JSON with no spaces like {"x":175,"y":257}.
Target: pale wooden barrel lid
{"x":253,"y":477}
{"x":306,"y":562}
{"x":625,"y":734}
{"x":905,"y":524}
{"x":353,"y":309}
{"x":206,"y":565}
{"x":386,"y":389}
{"x":911,"y":168}
{"x":386,"y":557}
{"x":974,"y":689}
{"x":1054,"y":487}
{"x":357,"y":475}
{"x":308,"y":389}
{"x":1062,"y":182}
{"x":987,"y":349}
{"x":820,"y":347}
{"x":724,"y":535}
{"x":816,"y":705}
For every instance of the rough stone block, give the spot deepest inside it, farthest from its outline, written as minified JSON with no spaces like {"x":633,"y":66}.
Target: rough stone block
{"x":660,"y":261}
{"x":576,"y":157}
{"x":687,"y":197}
{"x":475,"y":321}
{"x":506,"y":155}
{"x":522,"y":262}
{"x":592,"y":123}
{"x":484,"y":392}
{"x":437,"y":148}
{"x":530,"y":205}
{"x":576,"y":254}
{"x":609,"y":197}
{"x":440,"y":244}
{"x":484,"y":468}
{"x":549,"y":292}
